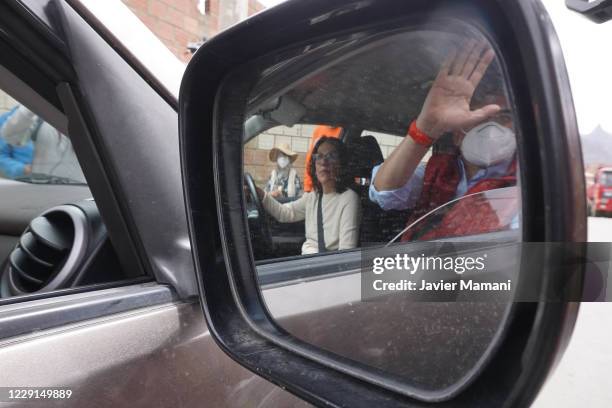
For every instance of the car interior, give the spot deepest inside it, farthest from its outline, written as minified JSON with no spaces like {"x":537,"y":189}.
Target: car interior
{"x":376,"y":228}
{"x":380,"y":109}
{"x":52,"y":236}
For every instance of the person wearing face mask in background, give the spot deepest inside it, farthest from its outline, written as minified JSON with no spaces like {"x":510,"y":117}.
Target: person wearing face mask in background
{"x":485,"y":158}
{"x":51,"y":156}
{"x":16,"y":145}
{"x":284,"y":183}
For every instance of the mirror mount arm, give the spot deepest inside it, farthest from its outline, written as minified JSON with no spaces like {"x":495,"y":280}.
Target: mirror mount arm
{"x":257,"y":124}
{"x":598,"y":11}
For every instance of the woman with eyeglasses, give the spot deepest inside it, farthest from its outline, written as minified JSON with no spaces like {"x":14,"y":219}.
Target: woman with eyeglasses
{"x":332,"y":211}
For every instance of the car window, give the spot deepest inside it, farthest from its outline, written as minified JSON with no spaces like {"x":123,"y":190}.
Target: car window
{"x":32,"y":150}
{"x":52,"y":236}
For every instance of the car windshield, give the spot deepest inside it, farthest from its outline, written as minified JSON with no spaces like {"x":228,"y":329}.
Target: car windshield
{"x":606,"y":179}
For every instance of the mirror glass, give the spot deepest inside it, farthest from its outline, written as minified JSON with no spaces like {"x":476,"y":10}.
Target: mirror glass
{"x":364,"y":154}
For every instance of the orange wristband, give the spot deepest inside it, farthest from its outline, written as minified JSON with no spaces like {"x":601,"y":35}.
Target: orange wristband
{"x":418,"y":136}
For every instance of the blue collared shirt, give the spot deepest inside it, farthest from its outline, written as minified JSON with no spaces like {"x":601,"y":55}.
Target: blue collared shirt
{"x":406,"y":196}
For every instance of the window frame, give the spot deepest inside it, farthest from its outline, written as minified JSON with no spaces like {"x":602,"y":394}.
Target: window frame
{"x":38,"y":69}
{"x":18,"y":87}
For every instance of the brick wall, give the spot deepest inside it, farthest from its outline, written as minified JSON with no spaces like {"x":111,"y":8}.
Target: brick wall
{"x":174,"y":22}
{"x":255,"y":7}
{"x":179,"y":22}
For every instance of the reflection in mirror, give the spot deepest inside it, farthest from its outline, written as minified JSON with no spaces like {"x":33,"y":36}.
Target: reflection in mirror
{"x":383,"y":141}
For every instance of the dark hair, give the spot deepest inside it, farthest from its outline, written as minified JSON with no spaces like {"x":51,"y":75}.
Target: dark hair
{"x":343,"y":179}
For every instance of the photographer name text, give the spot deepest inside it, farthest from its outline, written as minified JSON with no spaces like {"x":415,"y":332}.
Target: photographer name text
{"x":441,"y":285}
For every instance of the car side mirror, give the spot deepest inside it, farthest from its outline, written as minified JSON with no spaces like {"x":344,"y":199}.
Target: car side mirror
{"x":300,"y":303}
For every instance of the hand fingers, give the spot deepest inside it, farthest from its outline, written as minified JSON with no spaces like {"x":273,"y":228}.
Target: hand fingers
{"x":480,"y":115}
{"x":481,"y":68}
{"x":446,"y":65}
{"x":462,"y":58}
{"x":473,"y":59}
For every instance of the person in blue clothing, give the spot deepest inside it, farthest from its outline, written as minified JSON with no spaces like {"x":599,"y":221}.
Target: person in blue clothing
{"x":31,"y":147}
{"x":16,"y":145}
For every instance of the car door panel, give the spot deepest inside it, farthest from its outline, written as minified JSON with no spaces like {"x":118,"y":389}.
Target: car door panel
{"x":157,"y":356}
{"x":314,"y":298}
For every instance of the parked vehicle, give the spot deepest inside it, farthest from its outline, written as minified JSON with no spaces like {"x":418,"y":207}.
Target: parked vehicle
{"x":599,"y":192}
{"x":161,"y":283}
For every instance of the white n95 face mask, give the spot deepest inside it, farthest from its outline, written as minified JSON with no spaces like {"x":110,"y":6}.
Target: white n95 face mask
{"x":488,"y":144}
{"x":282,"y":161}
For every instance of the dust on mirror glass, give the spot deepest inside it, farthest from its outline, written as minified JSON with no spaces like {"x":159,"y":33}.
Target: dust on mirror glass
{"x":389,"y":151}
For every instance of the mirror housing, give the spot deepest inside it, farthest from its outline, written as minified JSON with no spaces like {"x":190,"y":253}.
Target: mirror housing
{"x":552,"y":183}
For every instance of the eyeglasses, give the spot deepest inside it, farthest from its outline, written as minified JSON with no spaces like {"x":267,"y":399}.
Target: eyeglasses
{"x":331,"y":157}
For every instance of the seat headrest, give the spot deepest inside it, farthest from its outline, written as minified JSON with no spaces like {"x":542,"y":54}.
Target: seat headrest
{"x":364,"y":153}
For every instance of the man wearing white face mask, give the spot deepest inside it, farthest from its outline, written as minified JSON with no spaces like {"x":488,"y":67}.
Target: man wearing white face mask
{"x":284,"y":181}
{"x":487,"y":149}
